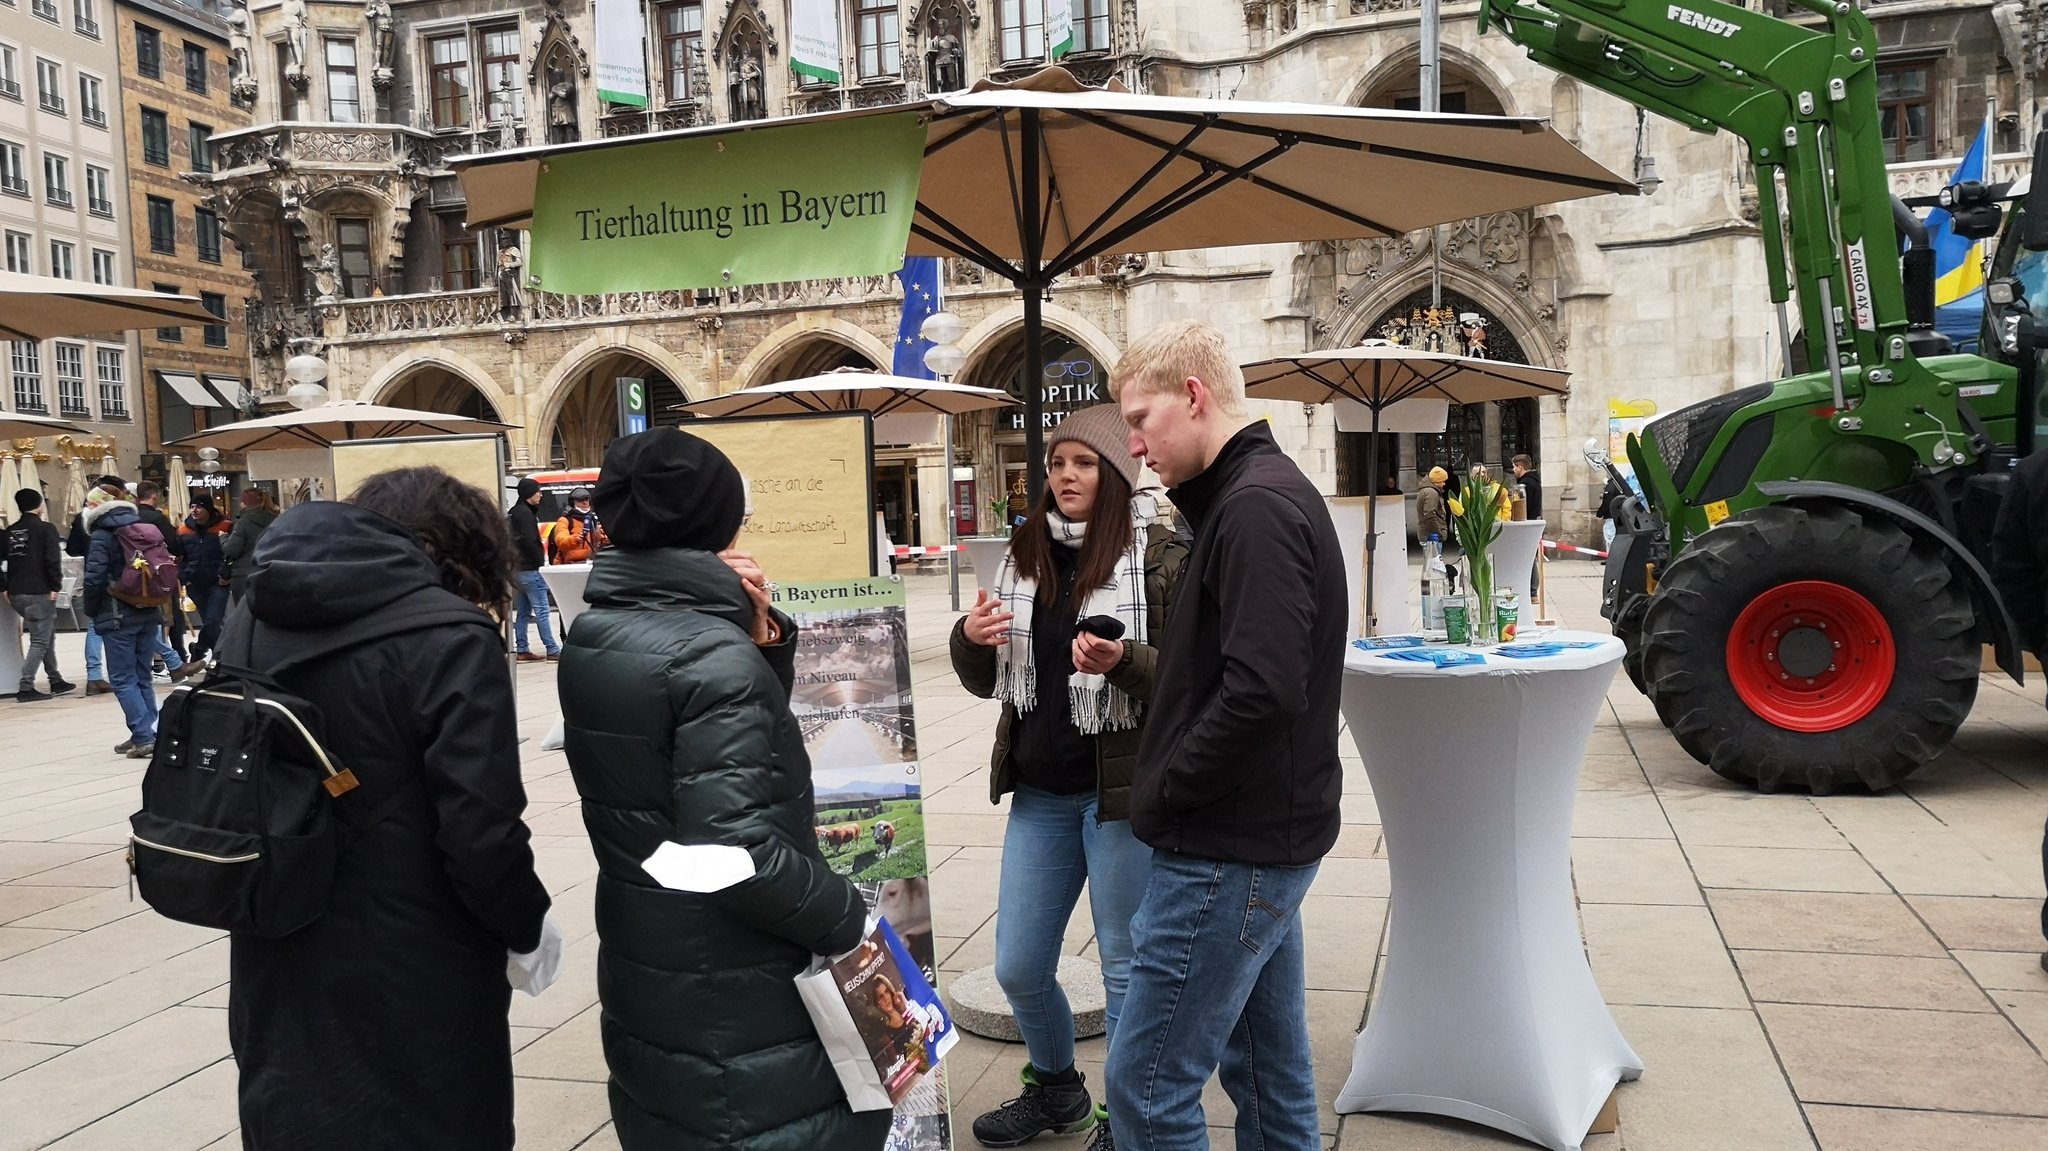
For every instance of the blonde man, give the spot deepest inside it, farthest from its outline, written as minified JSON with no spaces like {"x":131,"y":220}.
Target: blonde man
{"x":1237,"y":781}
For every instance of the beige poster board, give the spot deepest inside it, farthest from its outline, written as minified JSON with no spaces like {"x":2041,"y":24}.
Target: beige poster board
{"x":475,"y":460}
{"x":811,"y":481}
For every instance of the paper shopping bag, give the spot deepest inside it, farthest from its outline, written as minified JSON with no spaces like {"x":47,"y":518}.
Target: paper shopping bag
{"x":879,"y":1019}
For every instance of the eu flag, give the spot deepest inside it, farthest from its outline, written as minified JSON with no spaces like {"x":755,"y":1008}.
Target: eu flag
{"x":920,"y":276}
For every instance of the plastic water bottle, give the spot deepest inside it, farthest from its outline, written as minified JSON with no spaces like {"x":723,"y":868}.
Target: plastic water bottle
{"x":1436,"y":588}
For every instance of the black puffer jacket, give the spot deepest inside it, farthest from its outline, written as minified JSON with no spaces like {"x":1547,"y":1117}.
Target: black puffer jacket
{"x":679,"y":729}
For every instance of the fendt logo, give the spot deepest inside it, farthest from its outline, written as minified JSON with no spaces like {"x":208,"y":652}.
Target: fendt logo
{"x":1705,"y":23}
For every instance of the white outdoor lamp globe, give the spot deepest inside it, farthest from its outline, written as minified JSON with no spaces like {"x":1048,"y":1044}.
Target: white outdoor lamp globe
{"x":945,"y":359}
{"x":942,"y":328}
{"x":305,"y":372}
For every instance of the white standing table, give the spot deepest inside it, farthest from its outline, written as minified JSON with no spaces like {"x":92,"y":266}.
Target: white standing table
{"x":1488,"y":1011}
{"x":566,"y":583}
{"x":10,"y":646}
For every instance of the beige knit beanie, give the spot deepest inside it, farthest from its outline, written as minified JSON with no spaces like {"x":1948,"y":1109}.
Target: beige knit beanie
{"x":1103,"y":430}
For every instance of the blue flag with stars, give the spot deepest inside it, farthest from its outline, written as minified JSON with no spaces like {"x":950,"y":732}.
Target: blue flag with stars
{"x":920,"y":276}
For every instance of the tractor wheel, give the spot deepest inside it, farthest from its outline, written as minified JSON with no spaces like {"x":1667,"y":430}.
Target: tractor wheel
{"x":1630,"y":630}
{"x":1811,"y":647}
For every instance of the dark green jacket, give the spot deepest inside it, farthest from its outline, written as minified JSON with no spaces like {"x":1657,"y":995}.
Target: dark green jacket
{"x":679,"y":729}
{"x":1116,"y":752}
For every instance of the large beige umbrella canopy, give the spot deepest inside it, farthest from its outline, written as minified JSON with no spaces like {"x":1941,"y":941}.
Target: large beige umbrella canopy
{"x":21,"y":425}
{"x":320,"y":427}
{"x":1380,"y":376}
{"x":1034,"y":178}
{"x":852,"y":391}
{"x":42,"y":307}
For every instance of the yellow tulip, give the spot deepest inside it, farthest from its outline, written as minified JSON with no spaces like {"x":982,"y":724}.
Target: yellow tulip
{"x":1457,"y":509}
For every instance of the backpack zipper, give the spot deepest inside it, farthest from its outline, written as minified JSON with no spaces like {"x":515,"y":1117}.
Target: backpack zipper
{"x":199,"y":855}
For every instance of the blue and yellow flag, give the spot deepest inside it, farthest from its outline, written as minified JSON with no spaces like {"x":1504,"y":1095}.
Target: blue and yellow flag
{"x":1959,"y":263}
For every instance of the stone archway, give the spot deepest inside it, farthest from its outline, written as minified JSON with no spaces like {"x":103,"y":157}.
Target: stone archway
{"x":440,"y":381}
{"x":1394,"y":79}
{"x":582,"y":418}
{"x":788,"y":352}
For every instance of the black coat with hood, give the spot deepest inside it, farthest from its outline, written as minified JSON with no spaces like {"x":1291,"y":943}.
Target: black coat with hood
{"x":383,"y":1023}
{"x":103,"y":562}
{"x":679,"y":729}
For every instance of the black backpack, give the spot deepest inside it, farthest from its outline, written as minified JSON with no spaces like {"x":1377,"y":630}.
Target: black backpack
{"x":243,"y":804}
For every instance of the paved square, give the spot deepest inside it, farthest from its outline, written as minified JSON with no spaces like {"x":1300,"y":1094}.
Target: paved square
{"x":1853,"y":973}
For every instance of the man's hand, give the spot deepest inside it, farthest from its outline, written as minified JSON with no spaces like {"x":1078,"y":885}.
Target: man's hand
{"x":1094,"y":655}
{"x":987,"y":624}
{"x":765,"y":633}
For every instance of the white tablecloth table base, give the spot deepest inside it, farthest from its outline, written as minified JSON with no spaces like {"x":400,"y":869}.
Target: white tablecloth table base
{"x":566,"y":582}
{"x":1488,"y":1011}
{"x":11,"y":640}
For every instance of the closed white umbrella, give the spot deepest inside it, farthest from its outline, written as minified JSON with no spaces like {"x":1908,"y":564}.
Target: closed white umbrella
{"x":29,"y":478}
{"x":178,"y":499}
{"x":74,"y":490}
{"x":10,"y":482}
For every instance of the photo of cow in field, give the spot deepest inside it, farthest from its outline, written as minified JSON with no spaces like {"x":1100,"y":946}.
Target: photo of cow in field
{"x":838,"y":835}
{"x":885,"y":836}
{"x":869,"y":840}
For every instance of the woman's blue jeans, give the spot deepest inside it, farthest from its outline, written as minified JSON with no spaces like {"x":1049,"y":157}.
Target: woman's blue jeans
{"x":1052,"y":846}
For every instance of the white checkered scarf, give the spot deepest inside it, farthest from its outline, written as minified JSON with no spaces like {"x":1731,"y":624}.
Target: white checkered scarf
{"x":1097,"y":706}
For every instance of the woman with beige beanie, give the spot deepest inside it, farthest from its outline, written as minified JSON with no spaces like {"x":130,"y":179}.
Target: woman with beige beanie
{"x":1066,"y":746}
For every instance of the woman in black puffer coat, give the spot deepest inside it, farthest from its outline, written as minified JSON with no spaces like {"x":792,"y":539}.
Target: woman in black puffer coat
{"x":675,"y":692}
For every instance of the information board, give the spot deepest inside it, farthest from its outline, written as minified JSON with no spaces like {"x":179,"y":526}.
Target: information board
{"x":809,"y":479}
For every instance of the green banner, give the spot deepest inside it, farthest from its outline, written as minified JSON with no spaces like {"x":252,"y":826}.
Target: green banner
{"x":798,"y":202}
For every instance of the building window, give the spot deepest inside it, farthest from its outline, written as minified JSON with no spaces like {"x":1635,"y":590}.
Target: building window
{"x":876,"y":38}
{"x":498,"y":48}
{"x":1091,"y":26}
{"x":70,"y":361}
{"x":168,"y":335}
{"x":209,"y":235}
{"x":103,"y":267}
{"x":50,"y":85}
{"x":195,"y":68}
{"x":18,"y":257}
{"x":448,"y":72}
{"x":91,"y":109}
{"x":156,"y":137}
{"x":1905,"y":107}
{"x":459,"y":271}
{"x":47,"y":9}
{"x":682,"y":34}
{"x":85,"y":19}
{"x":199,"y":141}
{"x":149,"y":52}
{"x":56,"y":180}
{"x":216,"y":334}
{"x":352,"y":236}
{"x":1023,"y":24}
{"x":99,"y":191}
{"x":13,"y":168}
{"x":27,"y":360}
{"x":344,"y":97}
{"x":10,"y":78}
{"x":63,"y":260}
{"x":113,"y":383}
{"x":163,"y":226}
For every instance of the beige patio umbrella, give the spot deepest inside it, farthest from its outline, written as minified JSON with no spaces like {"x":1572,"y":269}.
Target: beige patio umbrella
{"x":320,"y":427}
{"x":1034,"y":178}
{"x":177,"y":497}
{"x":39,"y":307}
{"x":74,"y":489}
{"x":21,"y":425}
{"x":30,"y":477}
{"x":1382,"y":375}
{"x":852,"y":391}
{"x":10,"y":482}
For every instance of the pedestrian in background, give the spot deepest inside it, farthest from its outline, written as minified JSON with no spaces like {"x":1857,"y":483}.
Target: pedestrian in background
{"x":2019,"y":568}
{"x":35,"y":574}
{"x":77,"y":544}
{"x":259,"y":511}
{"x":1066,"y":747}
{"x":578,"y":536}
{"x":131,"y":631}
{"x":170,"y":642}
{"x":201,"y":534}
{"x":530,"y":591}
{"x":1432,"y":512}
{"x":1532,"y":486}
{"x":382,"y":1023}
{"x":675,"y":691}
{"x":1238,"y":780}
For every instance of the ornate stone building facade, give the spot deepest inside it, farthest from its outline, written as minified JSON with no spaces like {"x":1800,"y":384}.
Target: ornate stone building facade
{"x":342,"y":195}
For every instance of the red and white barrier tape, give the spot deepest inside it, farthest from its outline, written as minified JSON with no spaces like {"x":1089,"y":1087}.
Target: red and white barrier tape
{"x":1564,"y":547}
{"x":938,"y":550}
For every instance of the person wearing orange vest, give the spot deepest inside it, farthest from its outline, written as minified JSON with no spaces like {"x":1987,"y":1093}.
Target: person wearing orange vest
{"x":577,"y":536}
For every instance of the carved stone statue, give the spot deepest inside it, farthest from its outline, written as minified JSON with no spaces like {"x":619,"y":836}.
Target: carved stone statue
{"x":562,"y":126}
{"x":945,"y":63}
{"x":327,"y":277}
{"x":509,"y":265}
{"x":296,"y":26}
{"x":383,"y":38}
{"x":241,"y":70}
{"x":744,"y":94}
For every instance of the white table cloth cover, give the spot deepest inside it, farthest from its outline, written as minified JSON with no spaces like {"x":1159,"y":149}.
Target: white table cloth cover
{"x":11,"y":640}
{"x":566,"y":583}
{"x":1514,"y":559}
{"x":1488,"y":1011}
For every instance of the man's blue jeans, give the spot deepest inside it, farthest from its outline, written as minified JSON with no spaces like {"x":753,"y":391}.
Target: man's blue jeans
{"x":129,"y":652}
{"x":1052,"y":845}
{"x":1218,"y":983}
{"x":532,"y":602}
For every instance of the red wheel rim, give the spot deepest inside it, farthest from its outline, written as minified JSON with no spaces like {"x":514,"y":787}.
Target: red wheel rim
{"x":1811,"y":656}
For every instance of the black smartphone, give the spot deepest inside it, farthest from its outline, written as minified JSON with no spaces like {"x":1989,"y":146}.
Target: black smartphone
{"x":1102,"y":627}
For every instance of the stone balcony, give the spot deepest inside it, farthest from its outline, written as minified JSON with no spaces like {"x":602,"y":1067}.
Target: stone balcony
{"x":1926,"y":177}
{"x":312,"y":147}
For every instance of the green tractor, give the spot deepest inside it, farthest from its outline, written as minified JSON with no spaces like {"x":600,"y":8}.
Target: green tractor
{"x":1802,"y":581}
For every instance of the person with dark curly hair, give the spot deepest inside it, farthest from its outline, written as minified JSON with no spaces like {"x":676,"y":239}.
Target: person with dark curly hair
{"x":382,"y":1024}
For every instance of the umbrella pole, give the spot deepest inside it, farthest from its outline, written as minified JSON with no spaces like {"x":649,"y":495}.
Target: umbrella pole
{"x":1372,"y":517}
{"x":1035,"y":282}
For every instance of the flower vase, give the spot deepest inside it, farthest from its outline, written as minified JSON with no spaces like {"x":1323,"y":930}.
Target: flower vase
{"x":1479,"y":605}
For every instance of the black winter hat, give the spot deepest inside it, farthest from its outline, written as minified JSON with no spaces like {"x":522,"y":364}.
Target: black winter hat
{"x":111,"y":481}
{"x":28,"y":499}
{"x":665,"y":488}
{"x":527,"y":487}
